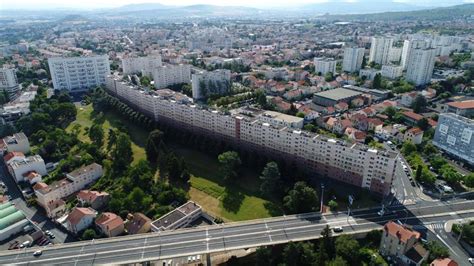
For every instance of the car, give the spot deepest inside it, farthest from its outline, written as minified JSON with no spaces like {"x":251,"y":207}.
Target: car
{"x":337,"y":229}
{"x":52,"y":236}
{"x":47,"y":232}
{"x":471,"y":260}
{"x":37,"y":253}
{"x":381,"y":212}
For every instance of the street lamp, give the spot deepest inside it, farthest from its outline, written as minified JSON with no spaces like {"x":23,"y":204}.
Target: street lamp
{"x":322,"y":196}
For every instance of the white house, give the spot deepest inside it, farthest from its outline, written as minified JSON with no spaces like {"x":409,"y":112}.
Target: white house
{"x":80,"y":219}
{"x":415,"y":135}
{"x":33,"y":163}
{"x":16,"y":143}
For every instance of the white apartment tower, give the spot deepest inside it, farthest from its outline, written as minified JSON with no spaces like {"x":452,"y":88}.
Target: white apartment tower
{"x":380,"y":50}
{"x":324,"y":65}
{"x":206,"y":83}
{"x":77,"y":74}
{"x":409,"y":46}
{"x":144,"y":65}
{"x":353,"y":58}
{"x":420,"y":66}
{"x":391,"y":71}
{"x":165,"y":76}
{"x":9,"y":83}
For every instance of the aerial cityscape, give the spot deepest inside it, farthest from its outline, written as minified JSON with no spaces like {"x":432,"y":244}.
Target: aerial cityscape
{"x":311,"y":132}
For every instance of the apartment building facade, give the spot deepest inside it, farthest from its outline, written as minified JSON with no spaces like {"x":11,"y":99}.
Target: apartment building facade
{"x":391,"y":71}
{"x":380,"y":50}
{"x":351,"y":163}
{"x":324,"y":65}
{"x":144,"y":65}
{"x":454,"y":135}
{"x":167,"y":75}
{"x":206,"y":83}
{"x":353,"y":58}
{"x":78,"y":74}
{"x":19,"y":168}
{"x":420,"y":65}
{"x":9,"y":83}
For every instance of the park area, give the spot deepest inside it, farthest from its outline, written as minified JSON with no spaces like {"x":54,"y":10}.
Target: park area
{"x":235,"y":201}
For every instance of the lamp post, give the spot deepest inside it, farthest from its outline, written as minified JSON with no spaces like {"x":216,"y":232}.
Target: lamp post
{"x":322,"y":197}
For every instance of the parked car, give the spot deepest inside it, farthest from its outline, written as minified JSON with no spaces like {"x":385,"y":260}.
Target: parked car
{"x":37,"y":253}
{"x":337,"y":229}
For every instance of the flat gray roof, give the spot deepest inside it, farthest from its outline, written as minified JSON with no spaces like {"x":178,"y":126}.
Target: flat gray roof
{"x":338,"y":94}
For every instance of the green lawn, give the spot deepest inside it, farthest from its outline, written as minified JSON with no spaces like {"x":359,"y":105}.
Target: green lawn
{"x":239,"y":202}
{"x":84,"y":119}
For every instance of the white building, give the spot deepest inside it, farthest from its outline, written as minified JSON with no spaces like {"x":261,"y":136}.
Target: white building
{"x":178,"y":218}
{"x":77,"y":74}
{"x":9,"y":82}
{"x":409,"y":46}
{"x":420,"y":66}
{"x":18,"y":168}
{"x":380,"y":50}
{"x":74,"y":181}
{"x":206,"y":83}
{"x":80,"y":219}
{"x":16,"y":143}
{"x":353,"y":58}
{"x":369,"y":73}
{"x":347,"y":162}
{"x":395,"y":54}
{"x":391,"y":71}
{"x":281,"y":120}
{"x":324,"y":65}
{"x":144,"y":65}
{"x":165,"y":76}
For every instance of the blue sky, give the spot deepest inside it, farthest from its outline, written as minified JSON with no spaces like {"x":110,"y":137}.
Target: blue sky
{"x":91,"y":4}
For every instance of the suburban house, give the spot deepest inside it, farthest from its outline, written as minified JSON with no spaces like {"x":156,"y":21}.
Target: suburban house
{"x":18,"y":142}
{"x":94,"y":199}
{"x":415,"y":135}
{"x":355,"y":134}
{"x":341,"y":124}
{"x":412,"y":118}
{"x":401,"y":242}
{"x":137,"y":223}
{"x":178,"y":218}
{"x":32,"y":177}
{"x":13,"y":156}
{"x":444,"y":262}
{"x":56,"y":208}
{"x":408,"y":98}
{"x":80,"y":219}
{"x":110,"y":224}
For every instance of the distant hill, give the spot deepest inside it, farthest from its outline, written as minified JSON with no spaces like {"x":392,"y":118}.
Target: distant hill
{"x":441,"y":13}
{"x":360,"y":7}
{"x":142,"y":6}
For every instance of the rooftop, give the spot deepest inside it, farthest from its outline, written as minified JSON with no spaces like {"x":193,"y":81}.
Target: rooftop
{"x":85,"y":169}
{"x":401,"y":232}
{"x":78,"y":213}
{"x":469,"y":104}
{"x":175,"y":215}
{"x":337,"y":94}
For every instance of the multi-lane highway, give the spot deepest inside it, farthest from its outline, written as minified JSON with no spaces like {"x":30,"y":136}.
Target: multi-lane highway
{"x":186,"y":242}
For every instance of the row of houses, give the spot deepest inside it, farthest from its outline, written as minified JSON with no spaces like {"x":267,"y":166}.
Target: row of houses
{"x":348,"y":162}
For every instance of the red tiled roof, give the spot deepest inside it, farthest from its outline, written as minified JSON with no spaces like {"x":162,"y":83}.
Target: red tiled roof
{"x":401,"y":232}
{"x":78,"y":213}
{"x":40,"y":186}
{"x":469,"y":104}
{"x":12,"y":154}
{"x":110,"y":220}
{"x":444,"y":262}
{"x":415,"y":130}
{"x":90,"y":195}
{"x":413,"y":115}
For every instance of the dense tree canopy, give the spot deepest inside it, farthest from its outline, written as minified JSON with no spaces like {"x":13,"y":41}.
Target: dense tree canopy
{"x":301,"y":199}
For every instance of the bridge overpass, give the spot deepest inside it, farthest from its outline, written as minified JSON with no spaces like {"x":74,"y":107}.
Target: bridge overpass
{"x":232,"y":236}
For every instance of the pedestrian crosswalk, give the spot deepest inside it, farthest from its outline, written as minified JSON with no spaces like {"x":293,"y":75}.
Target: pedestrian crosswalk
{"x":435,"y":226}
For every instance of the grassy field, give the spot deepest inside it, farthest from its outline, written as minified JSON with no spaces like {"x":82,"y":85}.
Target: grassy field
{"x":84,"y":119}
{"x":235,"y":201}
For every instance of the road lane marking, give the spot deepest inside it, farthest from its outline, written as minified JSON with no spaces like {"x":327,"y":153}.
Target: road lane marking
{"x":144,"y":245}
{"x":268,"y":232}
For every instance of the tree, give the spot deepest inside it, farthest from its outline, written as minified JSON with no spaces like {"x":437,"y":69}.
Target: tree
{"x":469,"y":180}
{"x":229,"y":163}
{"x":437,"y":250}
{"x":299,"y":254}
{"x":301,"y":199}
{"x":337,"y":261}
{"x":377,"y":83}
{"x":270,"y":178}
{"x":96,"y":134}
{"x":89,"y":234}
{"x":347,"y":247}
{"x":429,"y":149}
{"x":333,"y":205}
{"x":263,"y":256}
{"x":329,"y":77}
{"x":408,"y":148}
{"x":418,"y":173}
{"x":153,"y":145}
{"x":423,"y":123}
{"x":364,"y":62}
{"x":419,"y":104}
{"x":390,"y":111}
{"x":121,"y":153}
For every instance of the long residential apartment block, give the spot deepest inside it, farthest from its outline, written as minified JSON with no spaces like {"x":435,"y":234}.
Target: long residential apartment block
{"x":351,"y":163}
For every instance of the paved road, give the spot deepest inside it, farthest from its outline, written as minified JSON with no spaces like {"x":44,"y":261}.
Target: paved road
{"x":186,"y":242}
{"x":31,"y":213}
{"x":405,"y":191}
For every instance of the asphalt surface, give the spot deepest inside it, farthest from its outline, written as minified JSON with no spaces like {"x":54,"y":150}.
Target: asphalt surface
{"x":37,"y":217}
{"x":201,"y":240}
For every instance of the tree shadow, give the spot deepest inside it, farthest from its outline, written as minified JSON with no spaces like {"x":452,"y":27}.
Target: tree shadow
{"x":232,"y":200}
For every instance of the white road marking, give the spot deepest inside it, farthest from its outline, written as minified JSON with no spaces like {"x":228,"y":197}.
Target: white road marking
{"x":144,"y":245}
{"x":446,"y":244}
{"x":268,"y":232}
